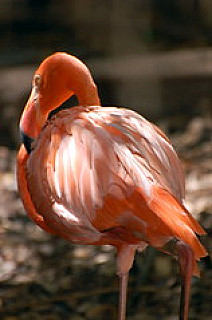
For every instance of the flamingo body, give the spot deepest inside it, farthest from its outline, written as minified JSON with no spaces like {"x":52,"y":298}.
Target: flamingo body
{"x":103,"y":175}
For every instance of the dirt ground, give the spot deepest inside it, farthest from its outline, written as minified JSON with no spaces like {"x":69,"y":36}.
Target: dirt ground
{"x":43,"y":277}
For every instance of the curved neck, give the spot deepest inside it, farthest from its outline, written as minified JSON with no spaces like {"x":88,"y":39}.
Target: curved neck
{"x":62,"y":76}
{"x":88,"y":96}
{"x":78,"y":80}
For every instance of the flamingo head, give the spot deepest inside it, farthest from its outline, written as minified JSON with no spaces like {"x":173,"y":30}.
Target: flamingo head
{"x":58,"y":77}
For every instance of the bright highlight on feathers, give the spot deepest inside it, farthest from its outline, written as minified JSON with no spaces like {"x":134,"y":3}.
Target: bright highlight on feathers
{"x":103,"y":175}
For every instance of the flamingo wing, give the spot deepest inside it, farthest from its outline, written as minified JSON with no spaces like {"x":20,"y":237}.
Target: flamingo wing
{"x":95,"y":169}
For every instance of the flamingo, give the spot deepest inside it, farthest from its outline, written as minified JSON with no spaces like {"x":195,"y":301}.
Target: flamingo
{"x":98,"y":175}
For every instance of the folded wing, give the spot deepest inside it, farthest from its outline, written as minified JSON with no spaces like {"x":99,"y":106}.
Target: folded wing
{"x":102,"y":168}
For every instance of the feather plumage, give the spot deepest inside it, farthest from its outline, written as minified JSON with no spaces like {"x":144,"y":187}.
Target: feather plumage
{"x":103,"y":168}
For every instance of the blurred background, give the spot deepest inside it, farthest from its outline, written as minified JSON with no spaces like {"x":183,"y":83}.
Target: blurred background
{"x":153,"y":56}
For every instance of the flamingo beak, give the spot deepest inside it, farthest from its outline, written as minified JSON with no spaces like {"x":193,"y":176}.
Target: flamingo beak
{"x":32,"y":119}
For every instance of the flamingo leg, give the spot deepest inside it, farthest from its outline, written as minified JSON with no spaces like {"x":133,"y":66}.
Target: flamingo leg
{"x":123,"y":283}
{"x":125,"y":257}
{"x":186,"y":260}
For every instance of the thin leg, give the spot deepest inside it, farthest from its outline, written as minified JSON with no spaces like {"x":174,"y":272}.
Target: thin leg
{"x":123,"y":283}
{"x":187,"y":261}
{"x":125,"y":257}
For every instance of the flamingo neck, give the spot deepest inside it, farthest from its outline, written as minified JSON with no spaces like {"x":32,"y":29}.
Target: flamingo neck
{"x":88,"y":96}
